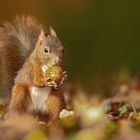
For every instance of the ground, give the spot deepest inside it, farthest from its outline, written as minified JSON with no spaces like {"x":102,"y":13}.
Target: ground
{"x":95,"y":117}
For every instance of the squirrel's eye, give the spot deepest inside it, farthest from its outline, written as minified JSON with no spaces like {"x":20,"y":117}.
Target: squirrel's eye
{"x":46,"y":50}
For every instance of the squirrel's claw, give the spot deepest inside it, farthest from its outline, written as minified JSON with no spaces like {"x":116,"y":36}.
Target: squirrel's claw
{"x":63,"y":79}
{"x":64,"y":72}
{"x":52,"y":84}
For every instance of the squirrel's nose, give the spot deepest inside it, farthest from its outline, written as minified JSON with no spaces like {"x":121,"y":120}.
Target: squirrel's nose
{"x":58,"y":61}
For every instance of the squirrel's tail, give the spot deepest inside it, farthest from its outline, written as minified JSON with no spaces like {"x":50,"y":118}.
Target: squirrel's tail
{"x":17,"y":40}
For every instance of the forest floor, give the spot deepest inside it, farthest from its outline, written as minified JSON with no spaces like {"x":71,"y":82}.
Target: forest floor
{"x":115,"y":116}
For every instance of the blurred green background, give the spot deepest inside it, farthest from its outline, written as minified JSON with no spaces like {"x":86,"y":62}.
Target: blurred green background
{"x":101,"y":37}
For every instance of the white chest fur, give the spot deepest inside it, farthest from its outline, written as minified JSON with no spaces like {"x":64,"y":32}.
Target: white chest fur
{"x":39,"y":97}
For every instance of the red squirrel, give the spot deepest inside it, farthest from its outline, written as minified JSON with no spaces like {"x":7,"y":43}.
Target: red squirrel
{"x":24,"y":48}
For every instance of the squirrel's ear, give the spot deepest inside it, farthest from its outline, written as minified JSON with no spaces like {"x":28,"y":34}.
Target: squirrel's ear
{"x":52,"y":32}
{"x":41,"y":36}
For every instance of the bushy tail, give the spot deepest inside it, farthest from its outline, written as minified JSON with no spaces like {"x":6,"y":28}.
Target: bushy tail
{"x":17,"y":40}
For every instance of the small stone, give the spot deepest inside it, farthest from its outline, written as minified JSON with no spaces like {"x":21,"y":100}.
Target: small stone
{"x":65,"y":113}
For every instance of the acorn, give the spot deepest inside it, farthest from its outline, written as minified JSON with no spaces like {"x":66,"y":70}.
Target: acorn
{"x":54,"y":73}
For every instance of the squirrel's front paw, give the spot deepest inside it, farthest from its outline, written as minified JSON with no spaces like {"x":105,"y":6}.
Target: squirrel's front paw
{"x":64,"y":77}
{"x":52,"y":84}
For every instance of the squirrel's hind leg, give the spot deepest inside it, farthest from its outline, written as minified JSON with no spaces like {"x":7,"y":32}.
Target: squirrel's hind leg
{"x":19,"y":101}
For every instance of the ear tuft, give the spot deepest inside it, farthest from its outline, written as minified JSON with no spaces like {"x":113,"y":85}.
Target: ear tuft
{"x":52,"y":32}
{"x":41,"y":36}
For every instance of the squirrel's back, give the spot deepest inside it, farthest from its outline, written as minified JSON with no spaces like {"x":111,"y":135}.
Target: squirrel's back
{"x":17,"y":41}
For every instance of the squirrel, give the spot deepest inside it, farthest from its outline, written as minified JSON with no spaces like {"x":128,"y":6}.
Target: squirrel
{"x":24,"y":47}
